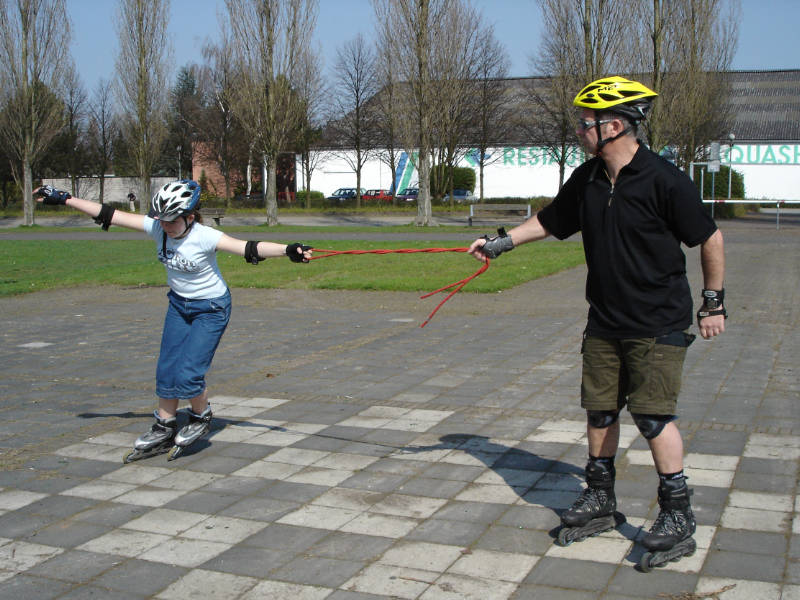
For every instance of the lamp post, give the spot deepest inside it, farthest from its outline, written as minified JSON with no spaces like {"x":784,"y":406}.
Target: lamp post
{"x":179,"y":162}
{"x":731,"y":137}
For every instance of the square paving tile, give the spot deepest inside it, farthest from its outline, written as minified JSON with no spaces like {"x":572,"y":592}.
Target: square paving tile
{"x":124,"y":542}
{"x":380,"y":525}
{"x":21,"y":556}
{"x":739,"y":589}
{"x":488,"y":564}
{"x":318,"y":571}
{"x":165,"y":521}
{"x":145,"y":577}
{"x":208,"y":584}
{"x":229,"y":530}
{"x":280,"y":589}
{"x":754,"y":519}
{"x":184,"y":552}
{"x":395,"y":582}
{"x":452,"y":587}
{"x":422,"y":555}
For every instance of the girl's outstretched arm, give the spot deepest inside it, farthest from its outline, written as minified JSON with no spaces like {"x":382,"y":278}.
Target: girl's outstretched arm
{"x":255,"y":251}
{"x":103,"y":214}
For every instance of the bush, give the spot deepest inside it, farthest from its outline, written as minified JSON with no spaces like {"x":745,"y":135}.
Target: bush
{"x":463,"y":179}
{"x":719,"y":190}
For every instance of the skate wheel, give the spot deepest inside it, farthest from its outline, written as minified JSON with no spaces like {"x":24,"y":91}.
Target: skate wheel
{"x":645,"y":563}
{"x":174,"y":452}
{"x":128,"y":457}
{"x":563,"y":537}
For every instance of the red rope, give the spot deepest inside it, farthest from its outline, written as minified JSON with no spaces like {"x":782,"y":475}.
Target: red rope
{"x":456,"y":285}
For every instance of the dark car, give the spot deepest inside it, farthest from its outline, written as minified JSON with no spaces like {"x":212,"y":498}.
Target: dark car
{"x":408,"y":194}
{"x":344,"y":194}
{"x":461,"y":197}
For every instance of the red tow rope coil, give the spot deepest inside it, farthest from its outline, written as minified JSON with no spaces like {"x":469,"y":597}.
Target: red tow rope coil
{"x":456,"y":286}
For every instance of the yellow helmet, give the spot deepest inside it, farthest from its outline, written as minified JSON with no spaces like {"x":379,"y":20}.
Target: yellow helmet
{"x":617,"y":94}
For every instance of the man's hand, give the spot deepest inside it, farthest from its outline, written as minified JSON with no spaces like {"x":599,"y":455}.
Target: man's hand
{"x":491,"y":247}
{"x":711,"y":326}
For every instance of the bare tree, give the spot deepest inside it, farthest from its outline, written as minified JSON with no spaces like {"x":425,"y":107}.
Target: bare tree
{"x":34,"y":42}
{"x":692,"y":45}
{"x":583,"y":41}
{"x":75,"y":112}
{"x":141,"y":86}
{"x":309,"y":131}
{"x":427,"y":32}
{"x":454,"y":68}
{"x":386,"y":113}
{"x":221,"y":136}
{"x":102,"y":131}
{"x":270,"y":46}
{"x":493,"y":100}
{"x":355,"y":83}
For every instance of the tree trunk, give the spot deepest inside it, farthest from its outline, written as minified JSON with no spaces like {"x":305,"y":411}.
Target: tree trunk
{"x":27,"y":192}
{"x":270,"y":201}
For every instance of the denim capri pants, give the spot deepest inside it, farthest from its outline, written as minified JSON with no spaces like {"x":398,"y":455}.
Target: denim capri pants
{"x":192,"y":331}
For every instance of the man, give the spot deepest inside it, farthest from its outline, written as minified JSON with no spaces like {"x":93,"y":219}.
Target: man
{"x":633,"y":209}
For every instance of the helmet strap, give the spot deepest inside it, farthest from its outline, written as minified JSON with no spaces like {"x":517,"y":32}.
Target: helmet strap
{"x":187,"y":227}
{"x":602,"y":142}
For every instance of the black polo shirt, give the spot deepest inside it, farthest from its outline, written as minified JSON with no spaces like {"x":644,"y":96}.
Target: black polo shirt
{"x":632,"y":234}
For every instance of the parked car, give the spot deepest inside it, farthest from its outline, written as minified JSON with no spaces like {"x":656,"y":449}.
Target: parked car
{"x":378,"y":195}
{"x":344,"y":194}
{"x":408,"y":194}
{"x":461,"y":197}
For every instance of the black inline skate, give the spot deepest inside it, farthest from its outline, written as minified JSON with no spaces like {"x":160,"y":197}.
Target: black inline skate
{"x":594,"y":510}
{"x":197,"y":427}
{"x":670,"y":537}
{"x":156,"y":441}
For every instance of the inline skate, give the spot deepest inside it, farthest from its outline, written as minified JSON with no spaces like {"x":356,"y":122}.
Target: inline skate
{"x":197,"y":427}
{"x":156,"y":441}
{"x":670,"y":537}
{"x":594,"y":510}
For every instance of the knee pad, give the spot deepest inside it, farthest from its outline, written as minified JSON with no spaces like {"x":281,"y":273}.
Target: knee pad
{"x":600,"y":419}
{"x":651,"y":425}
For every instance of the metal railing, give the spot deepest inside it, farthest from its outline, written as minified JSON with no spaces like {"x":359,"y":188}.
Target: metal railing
{"x":777,"y":203}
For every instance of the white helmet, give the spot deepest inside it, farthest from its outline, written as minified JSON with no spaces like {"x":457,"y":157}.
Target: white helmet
{"x":175,"y":199}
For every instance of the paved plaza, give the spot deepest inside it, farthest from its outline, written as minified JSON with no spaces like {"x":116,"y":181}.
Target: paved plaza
{"x":357,"y":456}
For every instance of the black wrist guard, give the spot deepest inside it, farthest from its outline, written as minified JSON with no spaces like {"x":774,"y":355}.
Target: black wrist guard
{"x":495,"y":246}
{"x":294,"y":255}
{"x":51,"y":195}
{"x":712,"y":304}
{"x":251,"y":253}
{"x":104,"y":218}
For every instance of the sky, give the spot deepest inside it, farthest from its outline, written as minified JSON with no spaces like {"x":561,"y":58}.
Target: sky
{"x":767,"y":32}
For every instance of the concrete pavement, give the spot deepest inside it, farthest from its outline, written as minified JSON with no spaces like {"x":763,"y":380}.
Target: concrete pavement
{"x":356,"y":456}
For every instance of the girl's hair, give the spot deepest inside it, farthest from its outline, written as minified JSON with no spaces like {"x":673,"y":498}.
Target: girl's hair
{"x":198,"y":218}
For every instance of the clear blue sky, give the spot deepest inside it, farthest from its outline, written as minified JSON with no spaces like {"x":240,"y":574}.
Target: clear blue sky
{"x":767,"y":32}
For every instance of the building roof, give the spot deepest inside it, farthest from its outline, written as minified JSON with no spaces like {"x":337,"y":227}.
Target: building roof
{"x":766,"y":106}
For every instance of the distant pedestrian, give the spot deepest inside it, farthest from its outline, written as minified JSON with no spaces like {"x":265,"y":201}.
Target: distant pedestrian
{"x":132,"y":202}
{"x":199,"y":301}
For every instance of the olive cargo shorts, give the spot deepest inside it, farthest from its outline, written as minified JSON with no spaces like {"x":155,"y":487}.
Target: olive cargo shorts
{"x":644,"y":373}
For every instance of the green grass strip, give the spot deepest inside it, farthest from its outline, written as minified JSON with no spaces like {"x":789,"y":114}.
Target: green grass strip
{"x":30,"y":266}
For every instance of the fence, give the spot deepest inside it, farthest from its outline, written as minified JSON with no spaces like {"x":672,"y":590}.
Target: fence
{"x":778,"y":204}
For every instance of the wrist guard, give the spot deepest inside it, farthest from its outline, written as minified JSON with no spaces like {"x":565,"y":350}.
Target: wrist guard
{"x":294,"y":255}
{"x":104,"y":218}
{"x":251,"y":253}
{"x":51,"y":195}
{"x":712,"y":304}
{"x":495,"y":246}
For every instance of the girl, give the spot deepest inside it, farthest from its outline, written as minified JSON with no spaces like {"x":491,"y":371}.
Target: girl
{"x":199,"y":302}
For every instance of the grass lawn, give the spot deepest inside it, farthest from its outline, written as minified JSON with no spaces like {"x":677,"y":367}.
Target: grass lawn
{"x":30,"y":266}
